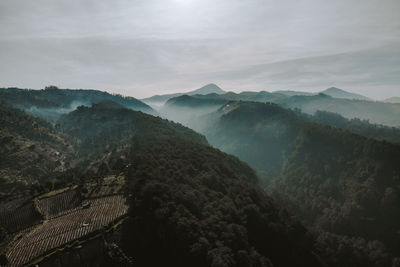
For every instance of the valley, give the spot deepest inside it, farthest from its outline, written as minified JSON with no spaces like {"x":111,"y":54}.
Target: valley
{"x":109,"y":185}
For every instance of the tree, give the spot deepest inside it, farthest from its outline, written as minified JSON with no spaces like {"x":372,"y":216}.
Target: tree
{"x":51,"y":87}
{"x":3,"y":260}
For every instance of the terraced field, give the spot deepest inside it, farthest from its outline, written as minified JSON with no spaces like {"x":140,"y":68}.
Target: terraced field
{"x":60,"y":203}
{"x":111,"y":185}
{"x":18,"y":214}
{"x":61,"y":230}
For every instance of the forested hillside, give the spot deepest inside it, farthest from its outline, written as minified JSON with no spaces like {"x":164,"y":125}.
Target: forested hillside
{"x":344,"y":184}
{"x":31,"y":150}
{"x":192,"y":205}
{"x":333,"y":180}
{"x":184,"y":109}
{"x":51,"y":102}
{"x":357,"y":126}
{"x":105,"y":130}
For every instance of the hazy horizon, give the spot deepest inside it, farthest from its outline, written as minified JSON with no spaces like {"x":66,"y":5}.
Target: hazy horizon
{"x":186,"y":90}
{"x":142,"y":48}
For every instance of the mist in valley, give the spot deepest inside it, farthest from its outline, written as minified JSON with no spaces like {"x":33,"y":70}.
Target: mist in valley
{"x":53,"y":114}
{"x":229,"y":133}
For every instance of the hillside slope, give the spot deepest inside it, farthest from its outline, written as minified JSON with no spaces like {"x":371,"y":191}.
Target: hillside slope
{"x":31,"y":150}
{"x":335,"y":181}
{"x":193,"y":205}
{"x":190,"y":204}
{"x":105,"y":130}
{"x":52,"y":102}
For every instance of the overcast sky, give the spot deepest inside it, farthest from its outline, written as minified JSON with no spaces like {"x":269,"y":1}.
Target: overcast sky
{"x":146,"y":47}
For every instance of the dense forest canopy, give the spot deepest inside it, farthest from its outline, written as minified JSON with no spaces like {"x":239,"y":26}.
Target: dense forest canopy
{"x":192,"y":205}
{"x":333,"y":180}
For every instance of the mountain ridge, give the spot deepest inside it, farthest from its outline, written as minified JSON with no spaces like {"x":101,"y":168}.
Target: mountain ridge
{"x":204,"y":90}
{"x":50,"y":103}
{"x":380,"y":113}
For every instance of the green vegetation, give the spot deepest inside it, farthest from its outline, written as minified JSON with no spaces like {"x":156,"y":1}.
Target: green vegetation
{"x":31,"y":150}
{"x":104,"y":133}
{"x":334,"y":181}
{"x":53,"y":102}
{"x":110,"y":185}
{"x":344,"y":184}
{"x":188,"y":202}
{"x":357,"y":126}
{"x":57,"y":192}
{"x":192,"y":205}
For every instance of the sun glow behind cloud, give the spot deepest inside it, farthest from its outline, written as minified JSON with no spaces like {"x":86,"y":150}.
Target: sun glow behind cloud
{"x":126,"y":45}
{"x":184,"y":2}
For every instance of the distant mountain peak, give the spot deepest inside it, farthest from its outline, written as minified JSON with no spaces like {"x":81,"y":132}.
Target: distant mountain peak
{"x":205,"y":90}
{"x":208,"y":89}
{"x":339,"y":93}
{"x":334,"y":90}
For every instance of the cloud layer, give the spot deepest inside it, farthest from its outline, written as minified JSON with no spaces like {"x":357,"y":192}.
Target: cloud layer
{"x":144,"y":47}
